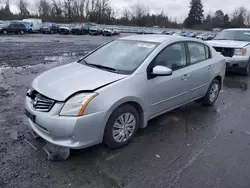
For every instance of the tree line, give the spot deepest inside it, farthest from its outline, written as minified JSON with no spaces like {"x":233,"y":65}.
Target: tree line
{"x":196,"y":19}
{"x":137,"y":14}
{"x":97,"y":11}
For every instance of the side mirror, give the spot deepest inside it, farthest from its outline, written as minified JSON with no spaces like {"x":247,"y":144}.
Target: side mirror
{"x":161,"y":71}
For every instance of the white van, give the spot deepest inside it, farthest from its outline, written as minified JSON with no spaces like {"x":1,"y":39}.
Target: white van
{"x":35,"y":24}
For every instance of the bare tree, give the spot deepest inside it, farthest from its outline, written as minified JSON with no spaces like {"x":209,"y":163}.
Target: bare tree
{"x":239,"y":17}
{"x":82,"y":5}
{"x":23,"y":7}
{"x":57,"y":10}
{"x":138,"y":11}
{"x":68,"y":9}
{"x":44,"y":9}
{"x":248,"y":19}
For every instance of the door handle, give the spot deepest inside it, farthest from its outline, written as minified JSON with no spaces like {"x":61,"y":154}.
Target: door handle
{"x":185,"y":77}
{"x":210,"y":67}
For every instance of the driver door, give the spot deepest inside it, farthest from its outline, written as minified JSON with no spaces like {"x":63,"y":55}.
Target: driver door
{"x":11,"y":28}
{"x":167,"y":92}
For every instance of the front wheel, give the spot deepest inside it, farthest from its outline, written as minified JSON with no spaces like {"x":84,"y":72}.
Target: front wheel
{"x":122,"y":126}
{"x":246,"y":70}
{"x":212,"y":93}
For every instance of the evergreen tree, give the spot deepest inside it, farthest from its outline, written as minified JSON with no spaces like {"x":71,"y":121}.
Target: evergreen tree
{"x":195,"y":16}
{"x":226,"y":22}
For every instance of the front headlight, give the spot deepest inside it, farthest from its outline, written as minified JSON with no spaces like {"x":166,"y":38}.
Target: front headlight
{"x":76,"y":105}
{"x":240,"y":51}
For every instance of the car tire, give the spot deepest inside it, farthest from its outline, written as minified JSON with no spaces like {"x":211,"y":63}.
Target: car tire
{"x":21,"y":32}
{"x":127,"y":121}
{"x":5,"y":32}
{"x":246,"y":70}
{"x":212,"y":93}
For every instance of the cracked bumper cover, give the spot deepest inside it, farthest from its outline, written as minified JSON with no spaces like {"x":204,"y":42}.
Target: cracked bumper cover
{"x":70,"y":132}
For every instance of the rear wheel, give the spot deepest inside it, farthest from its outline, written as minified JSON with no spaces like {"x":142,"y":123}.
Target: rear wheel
{"x":212,"y":93}
{"x":122,"y":126}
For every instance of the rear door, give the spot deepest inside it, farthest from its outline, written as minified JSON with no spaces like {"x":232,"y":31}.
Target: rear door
{"x":201,"y":68}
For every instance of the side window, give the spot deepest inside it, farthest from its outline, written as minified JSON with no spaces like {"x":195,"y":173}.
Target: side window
{"x":198,"y":52}
{"x":173,"y":57}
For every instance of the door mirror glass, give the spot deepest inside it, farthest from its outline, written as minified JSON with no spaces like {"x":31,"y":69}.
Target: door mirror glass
{"x":161,"y":71}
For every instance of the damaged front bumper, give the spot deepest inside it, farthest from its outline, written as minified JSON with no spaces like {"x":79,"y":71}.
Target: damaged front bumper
{"x":236,"y":63}
{"x":70,"y":132}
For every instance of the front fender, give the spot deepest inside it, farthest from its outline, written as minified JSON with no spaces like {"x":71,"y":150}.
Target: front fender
{"x":144,"y":115}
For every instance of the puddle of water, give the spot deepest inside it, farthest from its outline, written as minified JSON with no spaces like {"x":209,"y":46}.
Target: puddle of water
{"x":236,"y":84}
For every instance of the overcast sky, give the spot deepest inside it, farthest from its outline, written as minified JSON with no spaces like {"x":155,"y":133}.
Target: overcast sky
{"x":174,"y":8}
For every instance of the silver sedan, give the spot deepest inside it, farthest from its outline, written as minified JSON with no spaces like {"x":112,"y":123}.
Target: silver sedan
{"x":116,"y":89}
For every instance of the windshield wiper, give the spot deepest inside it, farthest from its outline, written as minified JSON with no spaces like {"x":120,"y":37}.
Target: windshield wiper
{"x":102,"y":67}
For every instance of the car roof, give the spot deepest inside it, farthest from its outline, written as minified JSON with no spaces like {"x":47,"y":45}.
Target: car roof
{"x":155,"y":38}
{"x":238,"y":29}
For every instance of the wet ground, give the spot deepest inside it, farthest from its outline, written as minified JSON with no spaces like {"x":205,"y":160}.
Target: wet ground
{"x":191,"y":147}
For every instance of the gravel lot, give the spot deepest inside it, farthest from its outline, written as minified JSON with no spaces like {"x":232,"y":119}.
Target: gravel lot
{"x":193,"y":146}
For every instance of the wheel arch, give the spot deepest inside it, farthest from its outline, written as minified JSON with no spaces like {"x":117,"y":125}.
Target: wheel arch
{"x":220,"y":79}
{"x":136,"y":103}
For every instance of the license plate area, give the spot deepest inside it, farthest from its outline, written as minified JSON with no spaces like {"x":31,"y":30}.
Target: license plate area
{"x":30,"y":116}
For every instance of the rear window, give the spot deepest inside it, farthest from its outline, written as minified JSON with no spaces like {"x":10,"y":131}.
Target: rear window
{"x":198,"y":52}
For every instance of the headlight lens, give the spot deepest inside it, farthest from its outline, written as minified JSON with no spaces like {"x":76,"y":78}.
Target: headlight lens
{"x":240,"y":51}
{"x":76,"y":105}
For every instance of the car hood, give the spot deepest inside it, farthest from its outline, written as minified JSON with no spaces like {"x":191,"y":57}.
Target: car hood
{"x":61,"y":82}
{"x":228,"y":43}
{"x":64,"y":28}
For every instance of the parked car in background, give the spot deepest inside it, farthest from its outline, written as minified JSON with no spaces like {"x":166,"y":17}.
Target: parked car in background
{"x":170,"y":72}
{"x":35,"y":25}
{"x":210,"y":36}
{"x":192,"y":35}
{"x":116,"y":31}
{"x":12,"y":27}
{"x":28,"y":26}
{"x":65,"y":29}
{"x":141,"y":32}
{"x":80,"y":29}
{"x":202,"y":36}
{"x":49,"y":28}
{"x":108,"y":32}
{"x":234,"y":45}
{"x":95,"y":30}
{"x":168,"y":32}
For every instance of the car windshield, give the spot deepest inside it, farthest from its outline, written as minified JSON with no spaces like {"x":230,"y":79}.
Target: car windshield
{"x":47,"y":24}
{"x":5,"y":24}
{"x":26,"y":23}
{"x":240,"y":35}
{"x":124,"y":56}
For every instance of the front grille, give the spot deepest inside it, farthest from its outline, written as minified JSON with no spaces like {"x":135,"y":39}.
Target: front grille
{"x":227,"y":52}
{"x":40,"y":102}
{"x":64,"y":30}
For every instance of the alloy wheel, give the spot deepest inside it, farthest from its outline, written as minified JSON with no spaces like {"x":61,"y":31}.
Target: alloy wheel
{"x":214,"y":92}
{"x":124,"y":127}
